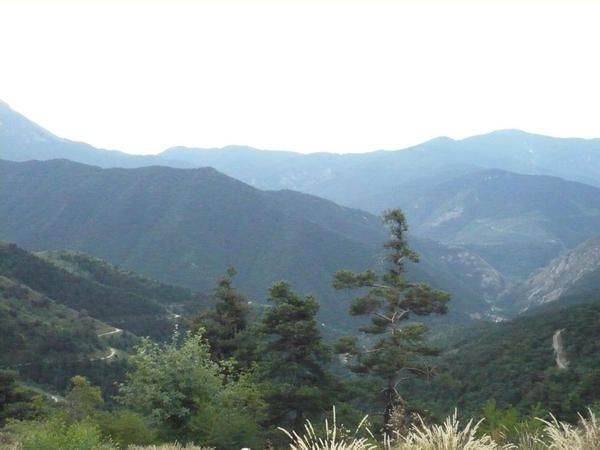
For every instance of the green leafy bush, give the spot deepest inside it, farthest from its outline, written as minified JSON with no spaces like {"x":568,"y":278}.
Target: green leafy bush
{"x":56,"y":433}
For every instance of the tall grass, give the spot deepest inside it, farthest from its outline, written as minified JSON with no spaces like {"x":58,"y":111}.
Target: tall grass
{"x":563,"y":436}
{"x":448,"y":436}
{"x":451,"y":436}
{"x":335,"y":438}
{"x":174,"y":446}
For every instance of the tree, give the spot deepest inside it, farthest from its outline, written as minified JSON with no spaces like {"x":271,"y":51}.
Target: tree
{"x":171,"y":382}
{"x":390,"y":300}
{"x":185,"y":392}
{"x":293,"y":357}
{"x":226,"y":321}
{"x":83,"y":399}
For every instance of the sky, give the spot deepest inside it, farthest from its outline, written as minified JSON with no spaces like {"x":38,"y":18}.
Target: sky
{"x":308,"y":76}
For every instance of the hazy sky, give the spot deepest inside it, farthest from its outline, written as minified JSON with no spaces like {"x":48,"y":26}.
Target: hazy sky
{"x":313,"y":76}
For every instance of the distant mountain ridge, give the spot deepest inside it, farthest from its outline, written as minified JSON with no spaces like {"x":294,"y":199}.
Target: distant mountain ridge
{"x":185,"y":226}
{"x":380,"y":176}
{"x":518,"y":223}
{"x":371,"y":181}
{"x":23,"y":140}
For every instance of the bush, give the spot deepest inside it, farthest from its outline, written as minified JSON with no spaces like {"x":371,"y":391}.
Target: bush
{"x":125,"y":428}
{"x":55,"y":434}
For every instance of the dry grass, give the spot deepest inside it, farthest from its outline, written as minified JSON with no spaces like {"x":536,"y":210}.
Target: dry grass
{"x":335,"y":438}
{"x":8,"y":442}
{"x":448,"y":436}
{"x":563,"y":436}
{"x":174,"y":446}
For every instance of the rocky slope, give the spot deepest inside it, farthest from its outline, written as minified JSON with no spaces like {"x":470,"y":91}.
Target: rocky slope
{"x":561,"y":277}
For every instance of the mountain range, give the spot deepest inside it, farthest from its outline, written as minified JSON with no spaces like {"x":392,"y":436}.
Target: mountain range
{"x":486,"y":193}
{"x":486,"y":213}
{"x":186,"y":226}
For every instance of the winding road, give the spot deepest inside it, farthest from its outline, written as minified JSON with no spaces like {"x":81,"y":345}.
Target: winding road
{"x":113,"y":351}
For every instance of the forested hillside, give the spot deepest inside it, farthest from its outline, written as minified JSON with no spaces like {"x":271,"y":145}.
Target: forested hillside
{"x":514,"y":363}
{"x":98,"y":290}
{"x":186,"y":227}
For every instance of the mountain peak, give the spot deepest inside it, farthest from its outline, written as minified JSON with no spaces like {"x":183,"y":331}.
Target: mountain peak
{"x":5,"y":106}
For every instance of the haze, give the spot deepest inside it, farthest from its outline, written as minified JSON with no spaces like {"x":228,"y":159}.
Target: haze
{"x":309,"y":77}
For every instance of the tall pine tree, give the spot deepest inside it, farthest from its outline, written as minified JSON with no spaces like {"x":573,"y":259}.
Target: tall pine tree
{"x":390,"y":300}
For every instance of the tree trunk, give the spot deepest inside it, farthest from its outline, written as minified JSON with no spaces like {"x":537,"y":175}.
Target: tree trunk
{"x":389,"y":397}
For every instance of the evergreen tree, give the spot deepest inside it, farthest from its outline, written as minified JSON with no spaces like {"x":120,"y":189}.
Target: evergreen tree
{"x":223,"y":324}
{"x":293,"y":358}
{"x":390,"y":300}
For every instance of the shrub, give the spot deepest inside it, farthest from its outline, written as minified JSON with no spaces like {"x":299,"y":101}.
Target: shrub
{"x":55,"y":434}
{"x":125,"y":428}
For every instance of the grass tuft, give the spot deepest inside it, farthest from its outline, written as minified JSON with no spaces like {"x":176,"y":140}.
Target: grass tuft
{"x":174,"y":446}
{"x":563,"y":436}
{"x":448,"y":436}
{"x":335,"y":437}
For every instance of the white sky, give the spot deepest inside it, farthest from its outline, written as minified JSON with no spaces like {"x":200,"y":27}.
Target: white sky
{"x":312,"y":76}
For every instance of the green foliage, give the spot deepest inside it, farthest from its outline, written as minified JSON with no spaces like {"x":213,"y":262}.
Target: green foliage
{"x":49,"y":343}
{"x":55,"y":433}
{"x":124,"y":428}
{"x":186,"y":394}
{"x":34,"y":328}
{"x":83,"y":399}
{"x":16,"y":401}
{"x":389,"y":300}
{"x":514,"y":363}
{"x":170,"y":382}
{"x":293,"y":357}
{"x":96,"y":289}
{"x":508,"y":425}
{"x":229,"y":317}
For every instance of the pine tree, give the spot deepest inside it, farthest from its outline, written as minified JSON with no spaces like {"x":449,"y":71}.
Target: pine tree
{"x":223,"y":324}
{"x":390,"y":300}
{"x":293,"y":358}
